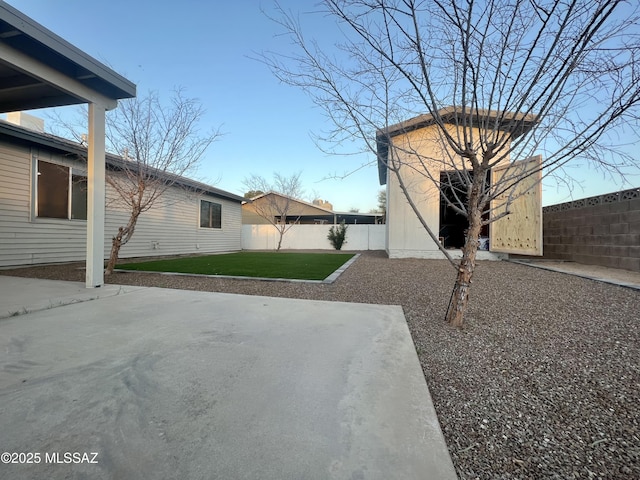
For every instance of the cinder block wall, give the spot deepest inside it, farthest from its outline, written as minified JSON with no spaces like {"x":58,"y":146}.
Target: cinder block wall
{"x":602,"y":230}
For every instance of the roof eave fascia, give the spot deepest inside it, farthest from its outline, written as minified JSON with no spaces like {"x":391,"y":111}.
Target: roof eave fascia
{"x":65,"y":146}
{"x":45,"y":37}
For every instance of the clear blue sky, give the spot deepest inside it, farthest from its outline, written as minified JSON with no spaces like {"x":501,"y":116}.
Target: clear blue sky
{"x":205,"y":47}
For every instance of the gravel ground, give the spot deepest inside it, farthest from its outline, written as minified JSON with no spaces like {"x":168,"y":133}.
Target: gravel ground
{"x":543,"y":382}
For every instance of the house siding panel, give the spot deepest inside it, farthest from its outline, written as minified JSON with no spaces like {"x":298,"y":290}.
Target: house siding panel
{"x":24,"y":241}
{"x":172,"y":227}
{"x":175,"y":228}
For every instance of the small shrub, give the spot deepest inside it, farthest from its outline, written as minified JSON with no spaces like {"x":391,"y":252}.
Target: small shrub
{"x":338,"y":235}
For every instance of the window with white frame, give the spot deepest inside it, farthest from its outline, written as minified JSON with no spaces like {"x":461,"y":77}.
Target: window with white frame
{"x":210,"y":214}
{"x":60,"y":193}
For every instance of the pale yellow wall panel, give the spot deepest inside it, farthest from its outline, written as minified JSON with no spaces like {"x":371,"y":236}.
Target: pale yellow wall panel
{"x":520,"y":232}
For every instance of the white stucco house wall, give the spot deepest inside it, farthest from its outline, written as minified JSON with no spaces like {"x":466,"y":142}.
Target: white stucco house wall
{"x":43,"y":207}
{"x":415,"y":141}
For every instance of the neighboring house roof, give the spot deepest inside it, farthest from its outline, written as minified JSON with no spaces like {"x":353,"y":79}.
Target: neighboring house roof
{"x":324,"y":213}
{"x":355,"y":217}
{"x":23,"y":39}
{"x":359,"y":214}
{"x":518,"y":123}
{"x":24,"y":136}
{"x":257,"y":197}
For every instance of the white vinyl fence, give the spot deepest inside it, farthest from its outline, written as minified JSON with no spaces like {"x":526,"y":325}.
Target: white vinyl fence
{"x":312,"y":237}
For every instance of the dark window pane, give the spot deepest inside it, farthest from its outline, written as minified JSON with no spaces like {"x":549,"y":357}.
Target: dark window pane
{"x":79,"y":197}
{"x":210,"y":214}
{"x":216,"y":215}
{"x":204,"y":214}
{"x":53,"y":190}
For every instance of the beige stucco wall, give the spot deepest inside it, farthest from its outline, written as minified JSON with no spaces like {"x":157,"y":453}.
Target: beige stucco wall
{"x":406,"y":235}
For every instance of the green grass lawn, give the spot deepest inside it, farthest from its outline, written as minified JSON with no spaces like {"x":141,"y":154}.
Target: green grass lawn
{"x":305,"y":266}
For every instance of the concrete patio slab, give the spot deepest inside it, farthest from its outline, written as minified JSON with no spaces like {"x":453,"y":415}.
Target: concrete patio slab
{"x":23,"y":295}
{"x":614,"y":276}
{"x":165,"y":383}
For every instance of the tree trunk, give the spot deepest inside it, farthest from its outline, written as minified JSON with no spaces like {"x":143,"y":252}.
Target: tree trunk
{"x":122,"y":237}
{"x":116,"y":243}
{"x":460,"y":296}
{"x":279,"y":240}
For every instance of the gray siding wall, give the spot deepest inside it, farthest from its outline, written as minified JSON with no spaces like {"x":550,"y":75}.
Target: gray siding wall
{"x":171,"y":228}
{"x":25,"y":240}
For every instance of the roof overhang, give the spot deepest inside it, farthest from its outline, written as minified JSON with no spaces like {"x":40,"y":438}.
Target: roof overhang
{"x":23,"y":136}
{"x":38,"y":69}
{"x":516,"y":123}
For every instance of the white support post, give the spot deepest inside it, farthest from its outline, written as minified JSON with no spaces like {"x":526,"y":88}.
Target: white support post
{"x":95,"y":196}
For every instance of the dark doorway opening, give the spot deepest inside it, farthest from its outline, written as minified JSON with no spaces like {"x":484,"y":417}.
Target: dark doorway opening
{"x":453,"y":225}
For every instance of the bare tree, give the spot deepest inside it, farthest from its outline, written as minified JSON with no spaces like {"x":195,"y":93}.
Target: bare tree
{"x":252,"y":193}
{"x":158,"y":144}
{"x":498,"y":81}
{"x":278,"y":201}
{"x":313,"y":195}
{"x":381,"y":207}
{"x":382,"y":204}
